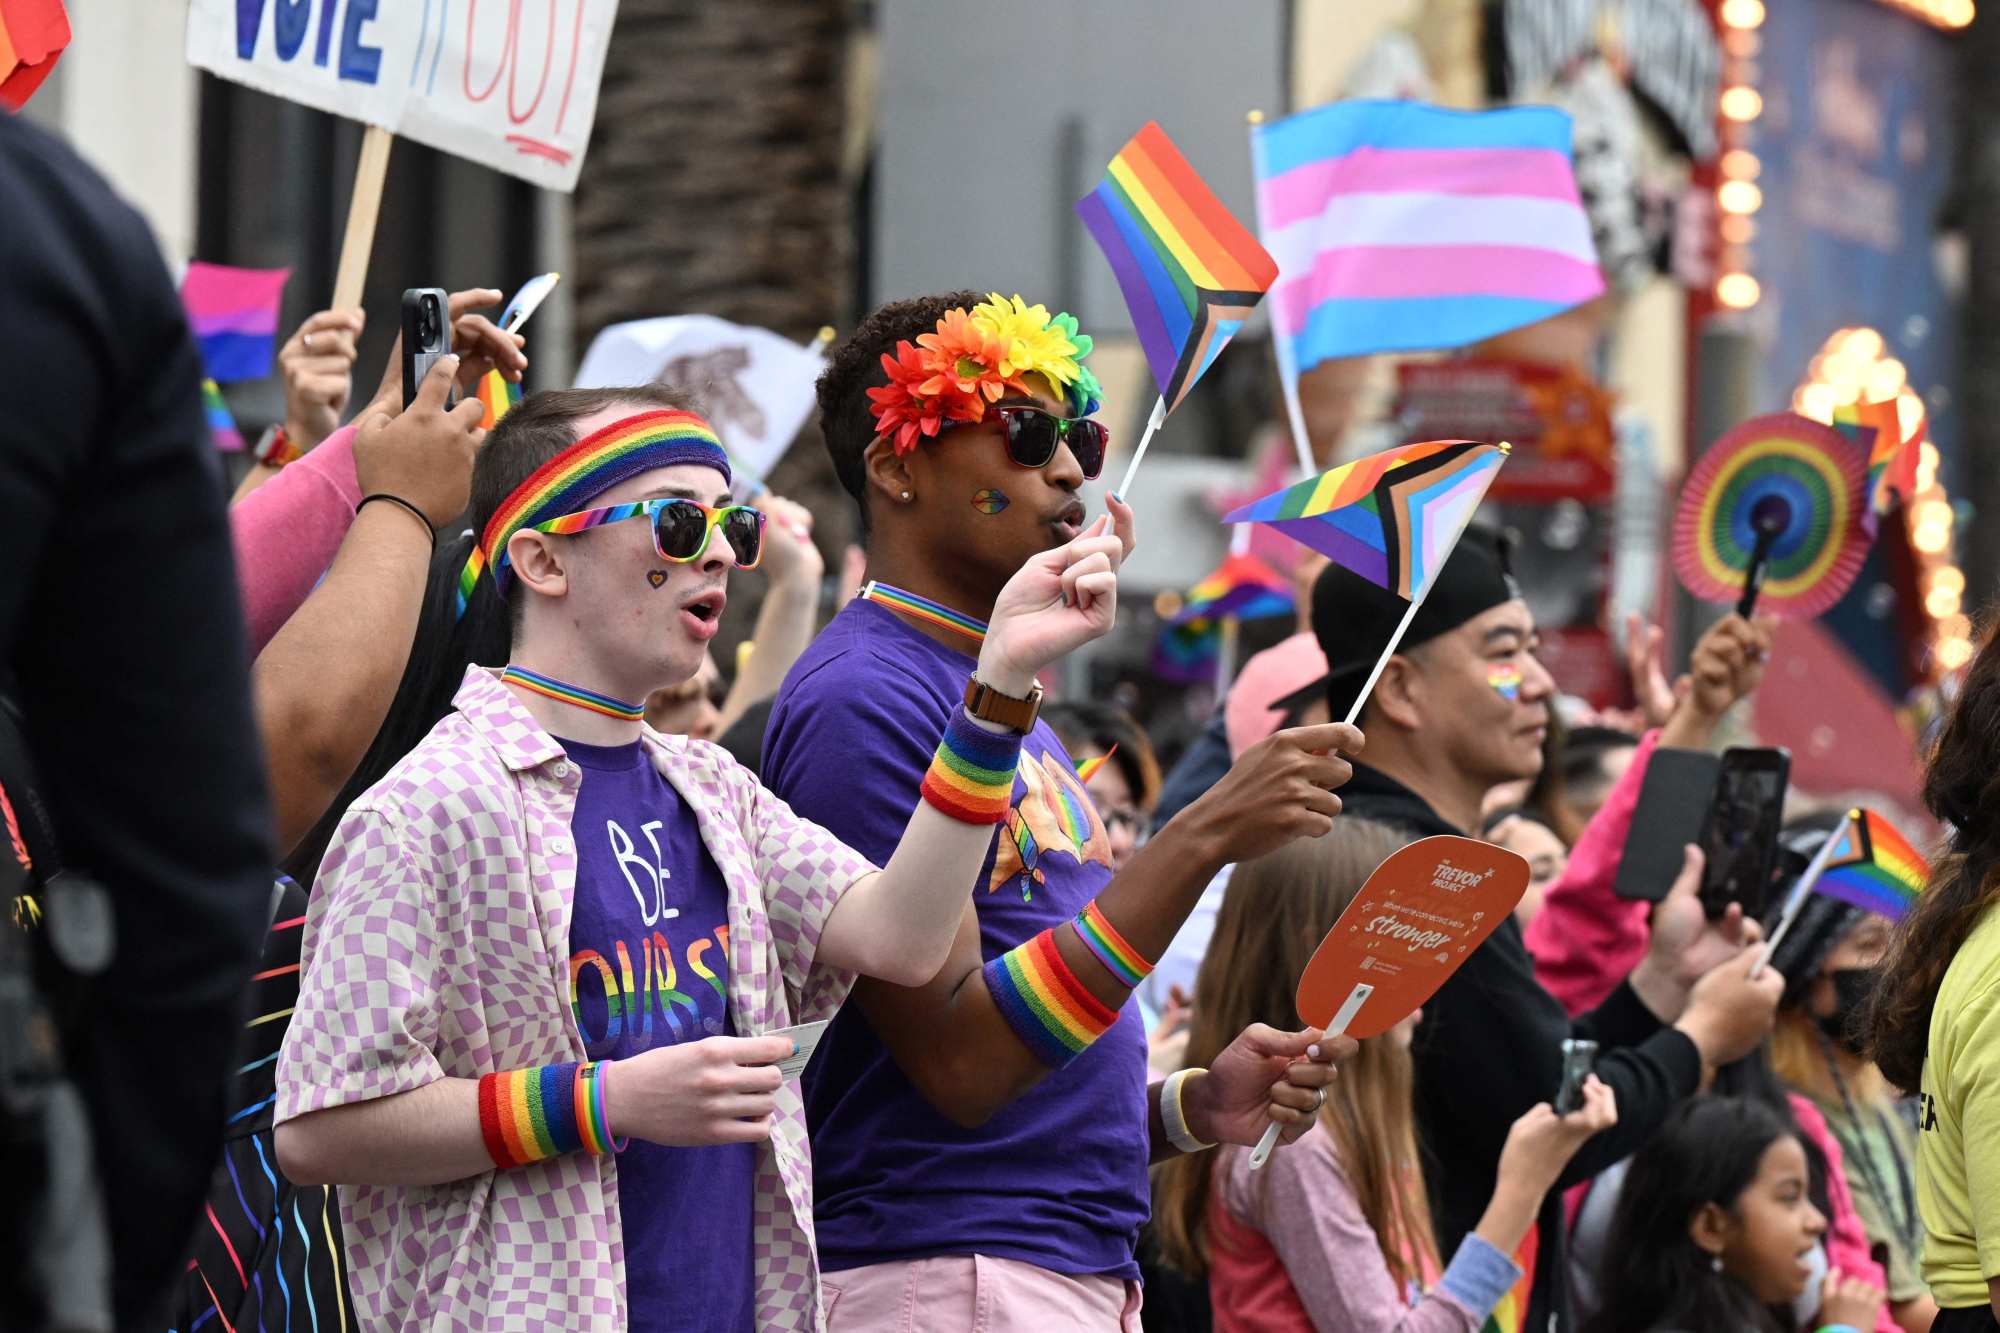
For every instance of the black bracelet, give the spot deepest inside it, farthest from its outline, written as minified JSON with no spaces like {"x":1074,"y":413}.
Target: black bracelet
{"x":399,"y":500}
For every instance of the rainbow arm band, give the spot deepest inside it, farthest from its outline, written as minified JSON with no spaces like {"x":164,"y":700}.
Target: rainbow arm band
{"x":530,"y":1115}
{"x":972,"y":776}
{"x":1102,"y":938}
{"x":1041,"y":999}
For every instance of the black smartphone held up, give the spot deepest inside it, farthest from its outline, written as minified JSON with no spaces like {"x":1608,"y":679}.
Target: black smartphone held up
{"x":1741,"y":835}
{"x":1673,"y":805}
{"x":1578,"y":1057}
{"x":426,"y":337}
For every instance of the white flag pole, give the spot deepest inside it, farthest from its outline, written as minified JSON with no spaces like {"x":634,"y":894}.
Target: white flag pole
{"x":1281,"y":346}
{"x":1797,"y":901}
{"x":1153,"y":423}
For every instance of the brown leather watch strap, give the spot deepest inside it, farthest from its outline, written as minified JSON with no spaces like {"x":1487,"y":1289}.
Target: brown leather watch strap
{"x":1003,"y":710}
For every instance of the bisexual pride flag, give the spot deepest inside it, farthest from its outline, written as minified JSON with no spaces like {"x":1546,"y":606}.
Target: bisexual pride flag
{"x":1874,"y":867}
{"x":1190,"y":272}
{"x":234,"y":312}
{"x":1391,"y":517}
{"x":1402,"y":227}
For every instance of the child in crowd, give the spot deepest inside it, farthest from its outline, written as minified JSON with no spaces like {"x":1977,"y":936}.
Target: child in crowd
{"x":1715,"y":1229}
{"x":1335,"y":1233}
{"x":1114,"y":757}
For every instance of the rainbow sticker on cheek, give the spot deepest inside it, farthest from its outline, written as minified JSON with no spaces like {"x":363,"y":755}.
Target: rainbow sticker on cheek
{"x":1505,"y":678}
{"x":990,"y":502}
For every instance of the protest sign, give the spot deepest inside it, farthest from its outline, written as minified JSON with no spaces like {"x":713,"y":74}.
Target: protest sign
{"x":755,"y":386}
{"x":1414,"y":923}
{"x":508,"y":85}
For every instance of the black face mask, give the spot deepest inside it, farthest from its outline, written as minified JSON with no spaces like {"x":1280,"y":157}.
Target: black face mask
{"x":1851,"y":988}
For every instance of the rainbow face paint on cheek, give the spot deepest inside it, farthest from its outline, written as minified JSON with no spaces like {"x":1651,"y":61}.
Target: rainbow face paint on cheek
{"x":1505,"y":678}
{"x":990,"y":501}
{"x":656,"y":577}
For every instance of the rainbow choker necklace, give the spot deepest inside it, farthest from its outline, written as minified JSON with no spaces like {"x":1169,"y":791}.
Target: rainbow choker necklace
{"x":923,"y":608}
{"x":573,"y":695}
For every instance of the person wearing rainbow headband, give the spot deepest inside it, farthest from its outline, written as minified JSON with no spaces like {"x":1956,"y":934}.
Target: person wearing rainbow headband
{"x":545,"y":952}
{"x":981,"y":1140}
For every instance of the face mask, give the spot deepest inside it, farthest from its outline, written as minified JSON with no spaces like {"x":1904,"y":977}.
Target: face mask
{"x":1851,"y":988}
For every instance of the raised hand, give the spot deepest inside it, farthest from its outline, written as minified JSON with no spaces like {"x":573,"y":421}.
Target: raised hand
{"x":789,"y":553}
{"x":1848,"y":1300}
{"x":1541,"y":1142}
{"x":424,"y":454}
{"x":1656,"y":695}
{"x":716,"y":1090}
{"x":1727,"y":667}
{"x":1277,"y":790}
{"x":1056,"y":602}
{"x":477,"y":340}
{"x":1264,"y":1076}
{"x":317,"y":364}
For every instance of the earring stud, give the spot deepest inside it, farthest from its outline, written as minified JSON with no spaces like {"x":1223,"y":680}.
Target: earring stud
{"x":906,"y":495}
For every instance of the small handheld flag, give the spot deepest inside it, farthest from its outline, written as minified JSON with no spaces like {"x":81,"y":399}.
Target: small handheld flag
{"x":221,"y":424}
{"x":1877,"y":429}
{"x":1190,"y":272}
{"x":1241,"y":586}
{"x":1393,"y":518}
{"x":234,"y":312}
{"x":498,"y":394}
{"x":1874,"y":867}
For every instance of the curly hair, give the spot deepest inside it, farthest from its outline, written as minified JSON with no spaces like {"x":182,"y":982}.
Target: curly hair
{"x":855,"y":366}
{"x":1962,"y":788}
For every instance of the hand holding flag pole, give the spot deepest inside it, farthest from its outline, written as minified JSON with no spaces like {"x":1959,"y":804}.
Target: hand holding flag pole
{"x":1797,"y":901}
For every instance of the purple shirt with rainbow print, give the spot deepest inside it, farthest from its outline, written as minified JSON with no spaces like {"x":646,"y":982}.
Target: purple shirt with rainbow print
{"x":1057,"y":1178}
{"x":649,"y":967}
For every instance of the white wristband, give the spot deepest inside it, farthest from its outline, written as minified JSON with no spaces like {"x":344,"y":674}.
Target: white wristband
{"x":1173,"y":1118}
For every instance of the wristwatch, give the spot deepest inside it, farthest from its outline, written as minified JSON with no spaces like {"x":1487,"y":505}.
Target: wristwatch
{"x":1003,"y":710}
{"x":275,"y":449}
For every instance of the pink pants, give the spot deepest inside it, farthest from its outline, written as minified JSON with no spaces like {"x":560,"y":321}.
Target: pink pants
{"x":975,"y":1294}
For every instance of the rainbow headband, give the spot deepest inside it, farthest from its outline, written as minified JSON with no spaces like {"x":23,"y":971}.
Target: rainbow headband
{"x":579,"y":474}
{"x":976,"y":357}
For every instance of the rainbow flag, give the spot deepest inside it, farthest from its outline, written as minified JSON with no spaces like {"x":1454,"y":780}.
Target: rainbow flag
{"x":221,"y":425}
{"x":1511,"y":1314}
{"x":1188,"y":653}
{"x":499,"y":396}
{"x":1405,"y":227}
{"x":1392,"y":517}
{"x":234,"y":312}
{"x":1241,"y":586}
{"x":1087,"y":770}
{"x":1190,"y":272}
{"x":1877,"y":428}
{"x":32,"y":34}
{"x":1874,"y":867}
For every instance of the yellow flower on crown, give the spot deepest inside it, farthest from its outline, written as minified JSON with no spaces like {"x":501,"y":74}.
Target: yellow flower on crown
{"x":1036,"y":342}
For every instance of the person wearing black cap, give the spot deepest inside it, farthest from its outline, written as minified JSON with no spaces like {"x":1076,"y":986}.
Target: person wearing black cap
{"x":1829,"y":960}
{"x":1462,"y":706}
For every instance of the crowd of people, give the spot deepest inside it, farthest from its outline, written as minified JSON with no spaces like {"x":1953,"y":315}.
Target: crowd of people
{"x":425,"y":932}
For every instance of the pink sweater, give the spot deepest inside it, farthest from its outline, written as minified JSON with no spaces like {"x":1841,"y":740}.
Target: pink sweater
{"x":287,"y":530}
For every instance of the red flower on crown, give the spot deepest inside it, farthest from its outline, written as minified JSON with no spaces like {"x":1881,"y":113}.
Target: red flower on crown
{"x":905,"y":412}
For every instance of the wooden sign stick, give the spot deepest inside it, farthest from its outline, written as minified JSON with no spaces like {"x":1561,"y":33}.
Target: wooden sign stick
{"x":369,"y":172}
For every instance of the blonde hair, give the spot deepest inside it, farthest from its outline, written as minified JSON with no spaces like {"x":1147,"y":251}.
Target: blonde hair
{"x":1277,"y":910}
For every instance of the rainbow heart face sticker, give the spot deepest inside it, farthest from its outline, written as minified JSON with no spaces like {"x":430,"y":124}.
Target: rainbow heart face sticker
{"x":1505,"y":678}
{"x":656,"y":577}
{"x":990,"y":501}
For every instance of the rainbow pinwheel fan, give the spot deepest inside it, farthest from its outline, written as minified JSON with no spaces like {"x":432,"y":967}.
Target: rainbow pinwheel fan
{"x":1774,"y":511}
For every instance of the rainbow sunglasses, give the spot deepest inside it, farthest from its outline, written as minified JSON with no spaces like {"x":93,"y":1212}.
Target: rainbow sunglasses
{"x":681,"y":527}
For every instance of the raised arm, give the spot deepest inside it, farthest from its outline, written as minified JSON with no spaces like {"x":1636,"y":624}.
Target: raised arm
{"x":324,"y":683}
{"x":793,"y":571}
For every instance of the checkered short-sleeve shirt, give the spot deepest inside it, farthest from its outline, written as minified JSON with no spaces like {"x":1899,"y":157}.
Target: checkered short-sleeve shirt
{"x":437,"y":946}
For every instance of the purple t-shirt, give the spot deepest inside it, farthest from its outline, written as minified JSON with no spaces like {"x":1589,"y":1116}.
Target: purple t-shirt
{"x":1058,"y":1177}
{"x":649,"y":966}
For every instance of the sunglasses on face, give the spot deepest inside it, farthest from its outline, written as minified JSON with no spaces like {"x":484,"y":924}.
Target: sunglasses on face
{"x":681,"y":527}
{"x":1033,"y":434}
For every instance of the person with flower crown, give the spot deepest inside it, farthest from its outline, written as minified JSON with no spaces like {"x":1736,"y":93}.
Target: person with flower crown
{"x":981,"y":1140}
{"x":551,"y":955}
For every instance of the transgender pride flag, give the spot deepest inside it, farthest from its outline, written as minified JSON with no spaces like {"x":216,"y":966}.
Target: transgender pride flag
{"x":1403,"y":227}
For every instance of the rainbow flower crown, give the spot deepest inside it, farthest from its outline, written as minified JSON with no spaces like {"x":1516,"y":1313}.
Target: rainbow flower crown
{"x":977,"y":357}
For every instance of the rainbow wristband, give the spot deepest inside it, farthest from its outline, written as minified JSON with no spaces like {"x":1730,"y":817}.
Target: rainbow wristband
{"x":972,"y":776}
{"x":1102,"y":938}
{"x":530,"y":1115}
{"x":1041,"y":999}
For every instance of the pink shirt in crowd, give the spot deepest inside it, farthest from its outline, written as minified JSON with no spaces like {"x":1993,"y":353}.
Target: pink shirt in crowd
{"x":1291,"y":1252}
{"x":1586,"y":939}
{"x":287,"y":531}
{"x":437,"y":945}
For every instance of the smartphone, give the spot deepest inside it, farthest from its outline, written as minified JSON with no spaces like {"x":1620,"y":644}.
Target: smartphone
{"x":1673,"y":805}
{"x":1740,"y":836}
{"x":1578,"y":1056}
{"x":426,"y":337}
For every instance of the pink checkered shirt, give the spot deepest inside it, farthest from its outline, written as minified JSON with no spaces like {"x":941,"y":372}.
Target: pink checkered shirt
{"x":437,"y":946}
